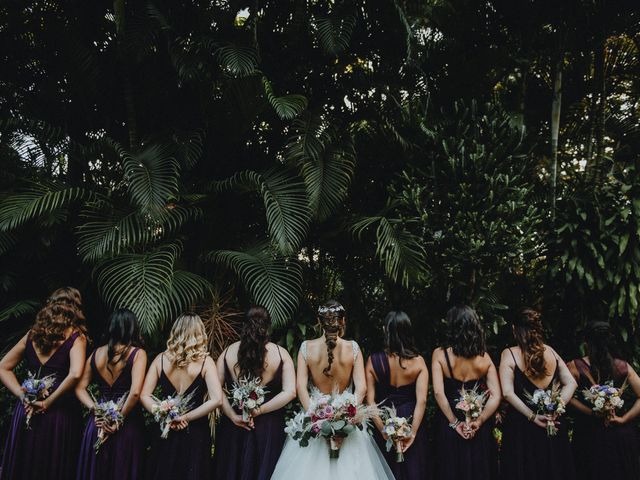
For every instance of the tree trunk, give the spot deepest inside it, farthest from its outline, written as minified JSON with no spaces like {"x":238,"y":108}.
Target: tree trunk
{"x":127,"y":87}
{"x":601,"y":93}
{"x":556,"y":104}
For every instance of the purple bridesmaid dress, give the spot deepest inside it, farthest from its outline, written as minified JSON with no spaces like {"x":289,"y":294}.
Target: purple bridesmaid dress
{"x":604,"y":451}
{"x":49,"y":449}
{"x":253,"y":455}
{"x":417,"y":463}
{"x":460,"y":459}
{"x":527,"y":452}
{"x":185,"y":454}
{"x":120,"y":456}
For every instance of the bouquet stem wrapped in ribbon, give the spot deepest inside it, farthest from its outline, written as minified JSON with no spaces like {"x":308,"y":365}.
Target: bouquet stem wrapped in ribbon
{"x":396,"y":429}
{"x":110,"y":413}
{"x":605,"y":399}
{"x":166,"y":410}
{"x":548,"y":403}
{"x":247,"y":394}
{"x":332,"y":417}
{"x":36,"y":389}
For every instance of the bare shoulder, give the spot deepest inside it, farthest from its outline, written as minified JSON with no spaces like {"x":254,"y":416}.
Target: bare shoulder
{"x":437,"y":354}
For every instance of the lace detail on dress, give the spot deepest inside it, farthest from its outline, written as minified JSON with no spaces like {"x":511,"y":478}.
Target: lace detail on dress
{"x":356,"y":349}
{"x":303,"y":350}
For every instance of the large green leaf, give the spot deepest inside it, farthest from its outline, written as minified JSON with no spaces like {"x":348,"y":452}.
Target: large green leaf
{"x":334,"y":32}
{"x":149,"y":285}
{"x":285,"y":200}
{"x":272,"y":281}
{"x":287,"y":107}
{"x":37,"y":200}
{"x":18,"y":309}
{"x":238,"y":61}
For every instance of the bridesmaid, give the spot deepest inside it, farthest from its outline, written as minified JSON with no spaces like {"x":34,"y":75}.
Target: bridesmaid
{"x":399,"y":377}
{"x":466,"y":452}
{"x":604,"y":450}
{"x":118,"y":369}
{"x":527,"y":452}
{"x":185,"y":367}
{"x":250,"y":450}
{"x":55,"y":345}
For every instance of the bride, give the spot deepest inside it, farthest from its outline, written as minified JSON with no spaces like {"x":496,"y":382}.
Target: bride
{"x":325,"y":365}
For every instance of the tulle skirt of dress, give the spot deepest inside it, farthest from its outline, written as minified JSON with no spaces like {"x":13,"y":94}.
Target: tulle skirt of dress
{"x":359,"y":458}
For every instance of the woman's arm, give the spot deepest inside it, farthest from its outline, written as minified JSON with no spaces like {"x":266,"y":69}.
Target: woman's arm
{"x":371,"y":394}
{"x":422,"y":392}
{"x":575,"y":403}
{"x":214,"y":389}
{"x":302,"y":380}
{"x":137,"y":380}
{"x":569,"y":383}
{"x":81,"y":387}
{"x":288,"y":391}
{"x":634,"y":411}
{"x":438,"y":385}
{"x":495,"y":393}
{"x":359,"y":378}
{"x":227,"y":409}
{"x":8,"y":363}
{"x":77,"y":358}
{"x":150,"y":383}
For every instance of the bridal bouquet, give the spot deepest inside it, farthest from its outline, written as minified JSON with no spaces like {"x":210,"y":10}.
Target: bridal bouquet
{"x":110,"y":413}
{"x":34,"y":390}
{"x":332,"y":417}
{"x":605,"y":399}
{"x":169,"y":409}
{"x":471,"y":403}
{"x":549,"y":403}
{"x":396,"y":429}
{"x":247,"y":394}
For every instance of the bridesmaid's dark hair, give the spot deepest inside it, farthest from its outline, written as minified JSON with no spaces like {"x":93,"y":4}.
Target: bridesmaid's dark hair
{"x":528,"y":332}
{"x":123,"y":330}
{"x":598,"y":338}
{"x":253,"y":342}
{"x":398,"y":338}
{"x":466,"y":335}
{"x":63,"y":310}
{"x":331,"y":317}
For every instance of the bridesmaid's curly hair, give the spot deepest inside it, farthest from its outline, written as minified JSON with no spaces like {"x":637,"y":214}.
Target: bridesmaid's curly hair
{"x":466,"y":335}
{"x":253,"y":342}
{"x":187,"y":341}
{"x":331,"y":317}
{"x":62,"y":310}
{"x":529,"y":334}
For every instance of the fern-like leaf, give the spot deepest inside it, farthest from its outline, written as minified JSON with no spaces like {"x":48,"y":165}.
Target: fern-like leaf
{"x":18,"y":309}
{"x":238,"y":61}
{"x":286,"y":107}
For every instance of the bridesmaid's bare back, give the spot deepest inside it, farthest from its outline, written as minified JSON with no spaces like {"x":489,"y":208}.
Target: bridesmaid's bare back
{"x":465,"y":369}
{"x":407,"y":373}
{"x":341,"y":369}
{"x":272,"y":361}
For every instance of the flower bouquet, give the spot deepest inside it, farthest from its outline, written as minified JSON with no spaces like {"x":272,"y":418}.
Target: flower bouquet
{"x":108,"y":412}
{"x":247,"y":394}
{"x":549,"y":403}
{"x":34,"y":390}
{"x":396,"y":429}
{"x":332,"y":417}
{"x":165,"y":411}
{"x":605,"y":399}
{"x":471,"y":403}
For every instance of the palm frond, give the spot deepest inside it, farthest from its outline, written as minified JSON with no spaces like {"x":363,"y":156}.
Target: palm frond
{"x":18,"y":309}
{"x":285,"y":201}
{"x":7,"y":241}
{"x":272,"y":281}
{"x":37,"y":200}
{"x":238,"y":61}
{"x":286,"y":107}
{"x":334,"y":32}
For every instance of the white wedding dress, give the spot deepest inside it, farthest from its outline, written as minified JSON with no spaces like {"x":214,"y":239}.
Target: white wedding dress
{"x":359,"y":457}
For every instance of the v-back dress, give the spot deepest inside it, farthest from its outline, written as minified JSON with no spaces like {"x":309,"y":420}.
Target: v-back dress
{"x":604,"y":451}
{"x":120,"y":456}
{"x":460,"y":459}
{"x":49,"y":448}
{"x":250,"y":455}
{"x":417,"y":464}
{"x":527,"y":452}
{"x":359,"y":458}
{"x":185,"y":454}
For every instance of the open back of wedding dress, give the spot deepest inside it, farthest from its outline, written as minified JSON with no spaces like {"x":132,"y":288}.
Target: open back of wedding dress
{"x":359,"y":455}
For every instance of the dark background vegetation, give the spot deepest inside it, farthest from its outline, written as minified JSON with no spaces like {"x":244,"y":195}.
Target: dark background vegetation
{"x":163,"y":156}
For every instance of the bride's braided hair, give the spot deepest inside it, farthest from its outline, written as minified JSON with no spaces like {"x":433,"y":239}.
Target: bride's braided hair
{"x":331,"y":316}
{"x":529,"y":334}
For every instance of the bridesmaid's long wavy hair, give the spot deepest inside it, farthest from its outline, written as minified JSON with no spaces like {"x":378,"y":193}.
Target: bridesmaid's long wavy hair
{"x":599,"y":340}
{"x":187,"y":341}
{"x":253,"y":342}
{"x":62,"y":310}
{"x":123,"y":333}
{"x":529,"y":333}
{"x":398,"y":336}
{"x":466,"y":335}
{"x":331,"y":317}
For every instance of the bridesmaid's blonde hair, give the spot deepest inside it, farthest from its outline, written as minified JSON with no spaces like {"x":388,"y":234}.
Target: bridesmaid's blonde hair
{"x":187,"y":341}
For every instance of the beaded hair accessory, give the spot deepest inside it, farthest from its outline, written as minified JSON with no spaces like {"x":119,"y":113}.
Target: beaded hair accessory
{"x":335,"y":309}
